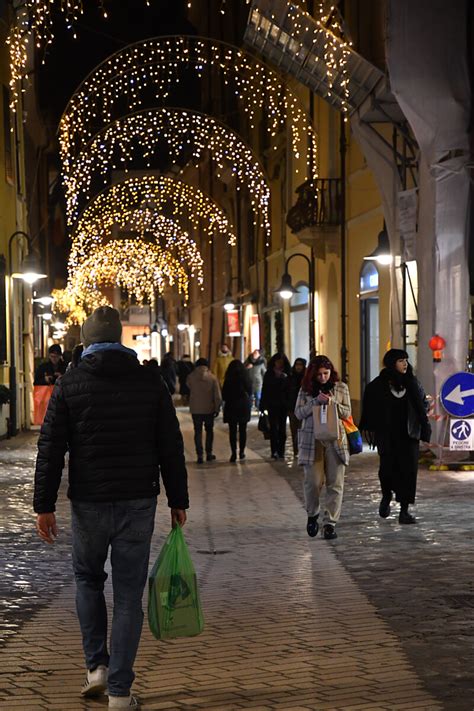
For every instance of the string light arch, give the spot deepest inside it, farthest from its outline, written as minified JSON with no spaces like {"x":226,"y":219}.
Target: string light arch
{"x":154,"y":66}
{"x":139,"y":205}
{"x":188,"y":137}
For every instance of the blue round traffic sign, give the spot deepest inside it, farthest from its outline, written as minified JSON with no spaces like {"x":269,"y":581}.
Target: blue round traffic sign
{"x":457,"y":394}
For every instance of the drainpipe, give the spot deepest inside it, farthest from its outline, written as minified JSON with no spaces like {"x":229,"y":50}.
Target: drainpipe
{"x":343,"y":148}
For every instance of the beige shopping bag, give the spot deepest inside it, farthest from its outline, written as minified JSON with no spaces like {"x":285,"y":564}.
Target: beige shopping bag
{"x":326,"y":422}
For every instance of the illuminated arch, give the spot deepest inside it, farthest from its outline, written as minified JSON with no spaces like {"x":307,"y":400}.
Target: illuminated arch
{"x":126,"y":76}
{"x":188,"y":135}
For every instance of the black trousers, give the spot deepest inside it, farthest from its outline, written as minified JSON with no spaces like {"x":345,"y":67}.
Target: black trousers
{"x":208,"y":422}
{"x":399,"y":469}
{"x":242,"y":427}
{"x":277,"y":419}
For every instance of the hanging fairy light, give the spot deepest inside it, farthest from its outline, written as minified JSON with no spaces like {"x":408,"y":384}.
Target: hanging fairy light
{"x":123,"y":81}
{"x":140,"y":268}
{"x":138,"y":204}
{"x":188,"y":136}
{"x":33,"y":21}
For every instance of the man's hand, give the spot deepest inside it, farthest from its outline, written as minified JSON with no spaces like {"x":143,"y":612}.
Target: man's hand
{"x":46,"y":527}
{"x":178,"y":517}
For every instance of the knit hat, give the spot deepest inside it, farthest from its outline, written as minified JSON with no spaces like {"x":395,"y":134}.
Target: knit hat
{"x":102,"y":326}
{"x":391,"y":357}
{"x":55,"y":348}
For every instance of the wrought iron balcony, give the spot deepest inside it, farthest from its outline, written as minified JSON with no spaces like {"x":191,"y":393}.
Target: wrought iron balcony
{"x":318,"y":205}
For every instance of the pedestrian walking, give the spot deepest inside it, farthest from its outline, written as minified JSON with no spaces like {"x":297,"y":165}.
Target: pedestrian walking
{"x":237,"y":396}
{"x":256,"y":366}
{"x":118,"y":422}
{"x":185,"y":367}
{"x":204,"y":404}
{"x":324,"y":462}
{"x":221,"y":363}
{"x":169,"y":372}
{"x":296,"y":376}
{"x":394,"y":419}
{"x":274,"y":401}
{"x":48,"y":372}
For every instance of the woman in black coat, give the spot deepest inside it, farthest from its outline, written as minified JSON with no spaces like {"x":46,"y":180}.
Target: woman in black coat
{"x":274,"y":401}
{"x":394,"y":420}
{"x":237,"y":396}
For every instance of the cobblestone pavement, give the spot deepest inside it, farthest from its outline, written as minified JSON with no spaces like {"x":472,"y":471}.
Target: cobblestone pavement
{"x":364,"y":622}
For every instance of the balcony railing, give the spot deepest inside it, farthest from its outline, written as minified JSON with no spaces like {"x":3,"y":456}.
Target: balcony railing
{"x":318,"y":205}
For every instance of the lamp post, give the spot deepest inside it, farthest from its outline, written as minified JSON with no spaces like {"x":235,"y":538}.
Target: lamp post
{"x":287,"y":291}
{"x":29,"y":273}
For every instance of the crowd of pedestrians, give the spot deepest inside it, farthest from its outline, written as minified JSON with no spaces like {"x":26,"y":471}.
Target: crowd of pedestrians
{"x":116,"y":419}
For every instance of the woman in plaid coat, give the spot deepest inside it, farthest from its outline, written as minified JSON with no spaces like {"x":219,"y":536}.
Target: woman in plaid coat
{"x":323,"y":462}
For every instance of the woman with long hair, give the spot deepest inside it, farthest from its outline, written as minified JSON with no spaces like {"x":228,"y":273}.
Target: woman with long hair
{"x":323,"y":462}
{"x":237,"y":396}
{"x":394,"y":420}
{"x":274,"y":401}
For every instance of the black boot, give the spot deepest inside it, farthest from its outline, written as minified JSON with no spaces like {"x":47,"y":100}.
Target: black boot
{"x":233,"y":456}
{"x":404,"y":516}
{"x":384,"y":508}
{"x":312,"y":527}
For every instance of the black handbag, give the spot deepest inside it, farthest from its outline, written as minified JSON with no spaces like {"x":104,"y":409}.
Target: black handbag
{"x":264,"y":425}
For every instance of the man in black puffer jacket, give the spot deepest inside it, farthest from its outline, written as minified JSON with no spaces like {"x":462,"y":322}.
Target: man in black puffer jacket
{"x":118,"y":422}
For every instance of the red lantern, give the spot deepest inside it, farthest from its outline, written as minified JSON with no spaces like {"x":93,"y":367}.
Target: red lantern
{"x":437,"y":344}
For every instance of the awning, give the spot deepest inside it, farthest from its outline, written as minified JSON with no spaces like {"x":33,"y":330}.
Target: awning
{"x":289,"y":37}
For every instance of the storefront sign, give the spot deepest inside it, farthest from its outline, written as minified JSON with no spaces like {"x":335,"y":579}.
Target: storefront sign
{"x":461,"y":435}
{"x":233,"y":323}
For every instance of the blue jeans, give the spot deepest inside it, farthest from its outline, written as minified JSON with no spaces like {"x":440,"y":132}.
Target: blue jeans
{"x":126,"y":527}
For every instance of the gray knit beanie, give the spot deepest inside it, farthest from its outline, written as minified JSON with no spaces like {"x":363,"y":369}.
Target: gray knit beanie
{"x":102,"y":326}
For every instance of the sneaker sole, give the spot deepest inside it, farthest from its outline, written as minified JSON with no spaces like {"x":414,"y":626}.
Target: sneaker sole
{"x":94,"y":690}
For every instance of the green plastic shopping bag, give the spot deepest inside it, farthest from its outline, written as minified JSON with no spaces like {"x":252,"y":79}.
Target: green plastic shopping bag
{"x":174,"y":607}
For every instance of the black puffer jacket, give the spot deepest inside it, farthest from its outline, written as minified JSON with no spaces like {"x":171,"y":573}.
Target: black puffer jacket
{"x":119,"y":424}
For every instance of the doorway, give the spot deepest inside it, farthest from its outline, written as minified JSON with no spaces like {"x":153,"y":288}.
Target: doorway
{"x":369,"y":321}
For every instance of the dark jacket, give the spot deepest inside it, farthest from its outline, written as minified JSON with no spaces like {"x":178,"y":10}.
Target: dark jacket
{"x":118,"y":422}
{"x":274,"y":392}
{"x":376,"y":409}
{"x":294,"y":385}
{"x":168,"y":370}
{"x":185,"y":368}
{"x":48,"y":368}
{"x":237,"y":396}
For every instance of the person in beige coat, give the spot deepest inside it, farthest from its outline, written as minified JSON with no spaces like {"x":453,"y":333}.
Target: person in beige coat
{"x":323,"y":462}
{"x":205,"y":400}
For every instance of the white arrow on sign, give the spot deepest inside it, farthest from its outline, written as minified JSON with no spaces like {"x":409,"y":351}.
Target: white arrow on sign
{"x":458,"y":396}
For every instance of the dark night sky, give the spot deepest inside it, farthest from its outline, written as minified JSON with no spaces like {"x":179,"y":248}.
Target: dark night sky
{"x":69,"y":61}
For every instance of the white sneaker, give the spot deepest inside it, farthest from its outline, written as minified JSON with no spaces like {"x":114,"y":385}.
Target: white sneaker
{"x":123,"y":702}
{"x":96,"y":682}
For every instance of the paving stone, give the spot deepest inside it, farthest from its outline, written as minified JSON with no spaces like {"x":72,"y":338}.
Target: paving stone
{"x":289,"y":623}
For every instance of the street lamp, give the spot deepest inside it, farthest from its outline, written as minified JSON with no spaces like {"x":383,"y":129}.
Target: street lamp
{"x":286,"y":290}
{"x":29,"y":272}
{"x":381,"y":253}
{"x":229,"y":304}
